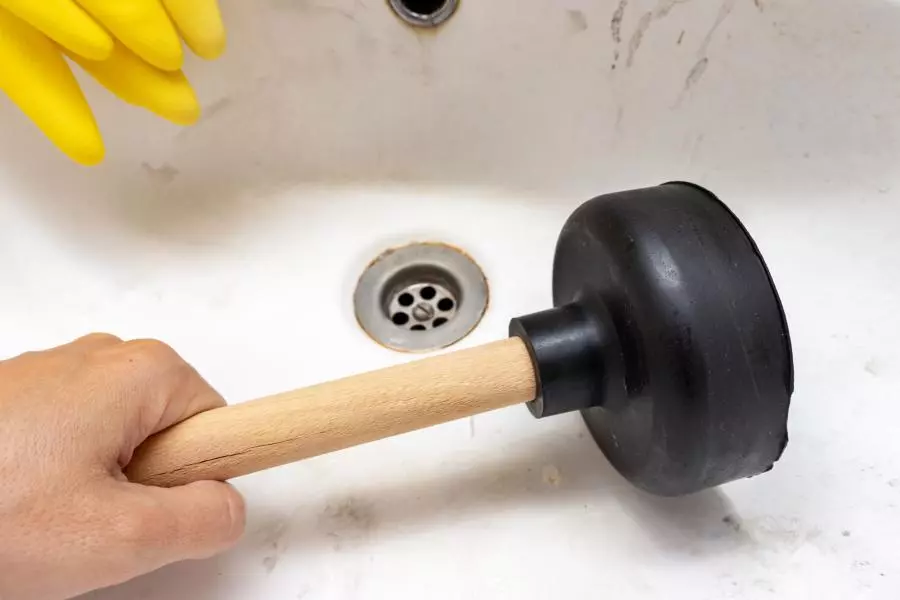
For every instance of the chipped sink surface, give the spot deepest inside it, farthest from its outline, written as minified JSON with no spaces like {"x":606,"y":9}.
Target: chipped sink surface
{"x":333,"y":131}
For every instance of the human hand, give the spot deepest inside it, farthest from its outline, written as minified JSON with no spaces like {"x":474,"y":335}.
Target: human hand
{"x":132,"y":48}
{"x":70,"y":419}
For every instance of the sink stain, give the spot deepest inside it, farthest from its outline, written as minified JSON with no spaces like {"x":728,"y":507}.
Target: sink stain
{"x":163,"y":175}
{"x":216,"y":107}
{"x":577,"y":21}
{"x":615,"y":24}
{"x":551,"y":476}
{"x":271,"y":539}
{"x":347,"y":522}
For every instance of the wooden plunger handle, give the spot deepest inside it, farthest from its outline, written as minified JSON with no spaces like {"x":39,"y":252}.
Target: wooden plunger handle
{"x":244,"y":438}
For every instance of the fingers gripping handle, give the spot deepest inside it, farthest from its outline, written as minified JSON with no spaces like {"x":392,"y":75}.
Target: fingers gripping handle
{"x":244,"y":438}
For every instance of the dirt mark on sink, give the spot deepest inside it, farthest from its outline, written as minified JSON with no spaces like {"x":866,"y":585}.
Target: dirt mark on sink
{"x":696,"y":73}
{"x":348,"y":522}
{"x":615,"y":24}
{"x":272,"y":538}
{"x":163,"y":175}
{"x":577,"y":21}
{"x":662,"y":10}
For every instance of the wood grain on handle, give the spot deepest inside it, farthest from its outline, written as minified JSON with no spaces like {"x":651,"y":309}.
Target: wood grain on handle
{"x":244,"y":438}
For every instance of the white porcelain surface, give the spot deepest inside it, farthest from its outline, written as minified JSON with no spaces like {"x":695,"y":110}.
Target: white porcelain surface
{"x":332,"y":131}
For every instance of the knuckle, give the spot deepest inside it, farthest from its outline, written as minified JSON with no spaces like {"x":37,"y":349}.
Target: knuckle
{"x":153,"y":352}
{"x":99,"y":338}
{"x":158,"y":362}
{"x":160,"y":366}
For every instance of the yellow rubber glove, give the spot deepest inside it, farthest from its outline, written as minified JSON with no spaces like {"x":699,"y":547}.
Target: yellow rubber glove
{"x":151,"y":28}
{"x":136,"y":54}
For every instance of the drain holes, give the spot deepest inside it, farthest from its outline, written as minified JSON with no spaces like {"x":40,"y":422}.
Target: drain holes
{"x":423,"y":300}
{"x":424,"y":13}
{"x":421,"y":297}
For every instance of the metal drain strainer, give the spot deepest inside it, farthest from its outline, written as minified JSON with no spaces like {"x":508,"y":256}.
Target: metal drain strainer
{"x":420,"y":297}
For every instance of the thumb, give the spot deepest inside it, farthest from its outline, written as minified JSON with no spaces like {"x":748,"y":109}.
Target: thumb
{"x":193,"y":521}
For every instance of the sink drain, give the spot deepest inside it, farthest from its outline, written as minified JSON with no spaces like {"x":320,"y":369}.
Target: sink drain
{"x":420,"y":297}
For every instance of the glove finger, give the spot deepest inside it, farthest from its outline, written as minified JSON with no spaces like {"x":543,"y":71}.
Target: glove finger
{"x":200,"y":24}
{"x":166,"y":93}
{"x":143,"y":26}
{"x":37,"y":79}
{"x":66,"y":23}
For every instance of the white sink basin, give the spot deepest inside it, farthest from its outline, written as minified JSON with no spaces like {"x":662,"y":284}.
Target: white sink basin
{"x":333,"y":131}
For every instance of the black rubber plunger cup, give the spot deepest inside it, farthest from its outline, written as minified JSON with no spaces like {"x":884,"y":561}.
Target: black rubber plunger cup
{"x":669,"y":336}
